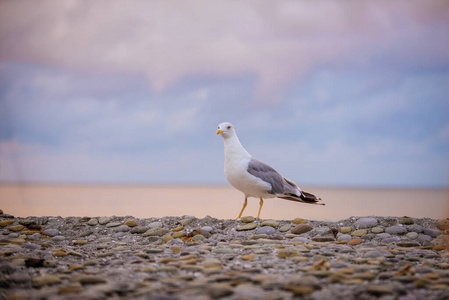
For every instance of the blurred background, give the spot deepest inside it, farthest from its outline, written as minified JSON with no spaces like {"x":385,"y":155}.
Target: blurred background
{"x":330,"y":93}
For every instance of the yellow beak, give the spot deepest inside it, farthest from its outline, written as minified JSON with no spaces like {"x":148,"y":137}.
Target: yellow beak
{"x":219,"y":131}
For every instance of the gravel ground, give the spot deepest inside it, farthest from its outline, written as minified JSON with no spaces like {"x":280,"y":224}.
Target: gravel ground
{"x":189,"y":258}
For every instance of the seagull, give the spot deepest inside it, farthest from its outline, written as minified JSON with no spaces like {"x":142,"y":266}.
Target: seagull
{"x":255,"y":178}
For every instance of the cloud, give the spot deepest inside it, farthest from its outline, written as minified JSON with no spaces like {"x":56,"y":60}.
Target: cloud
{"x":134,"y":92}
{"x":34,"y":162}
{"x":276,"y":42}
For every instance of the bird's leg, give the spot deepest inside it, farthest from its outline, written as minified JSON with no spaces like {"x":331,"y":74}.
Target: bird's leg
{"x":260,"y":208}
{"x":244,"y":206}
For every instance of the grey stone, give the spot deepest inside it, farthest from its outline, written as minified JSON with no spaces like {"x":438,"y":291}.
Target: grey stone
{"x":20,"y":278}
{"x":412,"y":235}
{"x":432,"y":232}
{"x":122,"y":228}
{"x":139,"y":229}
{"x":34,"y":236}
{"x":266,"y":230}
{"x":198,"y":238}
{"x":27,"y":221}
{"x":51,"y":232}
{"x":86,"y":233}
{"x":372,"y":254}
{"x":249,"y":226}
{"x":58,"y":238}
{"x":156,"y":224}
{"x":321,"y":230}
{"x":396,"y":230}
{"x":377,"y":230}
{"x":416,"y":228}
{"x":155,"y":232}
{"x":104,"y":220}
{"x":393,"y":239}
{"x":113,"y":224}
{"x":119,"y":234}
{"x":223,"y":251}
{"x":425,"y":239}
{"x":207,"y":228}
{"x":187,"y":221}
{"x":92,"y":222}
{"x":383,"y":235}
{"x":30,"y":246}
{"x":301,"y":239}
{"x":344,"y":237}
{"x":285,"y":228}
{"x":364,"y":223}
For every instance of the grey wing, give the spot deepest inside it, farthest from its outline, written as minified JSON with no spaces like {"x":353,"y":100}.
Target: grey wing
{"x":267,"y":174}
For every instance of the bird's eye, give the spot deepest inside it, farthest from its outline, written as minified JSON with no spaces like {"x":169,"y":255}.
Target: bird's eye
{"x":229,"y":127}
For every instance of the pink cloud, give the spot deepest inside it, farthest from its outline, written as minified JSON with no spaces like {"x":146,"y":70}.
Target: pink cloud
{"x":275,"y":41}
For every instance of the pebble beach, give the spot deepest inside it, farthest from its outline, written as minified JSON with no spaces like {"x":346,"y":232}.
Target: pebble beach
{"x":122,"y":257}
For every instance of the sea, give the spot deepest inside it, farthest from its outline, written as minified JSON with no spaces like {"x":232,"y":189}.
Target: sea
{"x":218,"y":201}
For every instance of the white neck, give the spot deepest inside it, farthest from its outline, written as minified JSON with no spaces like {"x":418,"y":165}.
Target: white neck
{"x":234,"y":149}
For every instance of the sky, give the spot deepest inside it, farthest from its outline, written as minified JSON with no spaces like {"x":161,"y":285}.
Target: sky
{"x":339,"y":93}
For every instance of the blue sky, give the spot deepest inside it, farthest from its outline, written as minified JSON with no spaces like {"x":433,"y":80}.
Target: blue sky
{"x":328,"y":93}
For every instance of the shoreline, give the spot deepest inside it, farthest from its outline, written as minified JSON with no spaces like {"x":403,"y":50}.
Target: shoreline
{"x":184,"y":257}
{"x":220,"y":202}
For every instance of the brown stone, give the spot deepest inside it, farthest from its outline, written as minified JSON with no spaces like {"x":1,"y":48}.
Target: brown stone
{"x":247,"y":219}
{"x":301,"y":228}
{"x":345,"y":230}
{"x":322,"y":265}
{"x":299,"y":221}
{"x":284,"y":253}
{"x":248,"y":257}
{"x":60,"y":253}
{"x":131,"y":223}
{"x":438,"y":247}
{"x":355,"y":242}
{"x":249,"y":226}
{"x":179,"y":228}
{"x":179,"y":234}
{"x":76,"y":267}
{"x":442,"y":224}
{"x":4,"y":223}
{"x":299,"y":290}
{"x":176,"y":249}
{"x":70,"y":289}
{"x":360,"y":232}
{"x":323,"y":239}
{"x":80,"y":242}
{"x":46,"y":280}
{"x":16,"y":228}
{"x":406,"y":221}
{"x":406,"y":270}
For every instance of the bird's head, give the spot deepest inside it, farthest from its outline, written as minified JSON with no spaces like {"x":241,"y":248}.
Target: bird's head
{"x":226,"y":130}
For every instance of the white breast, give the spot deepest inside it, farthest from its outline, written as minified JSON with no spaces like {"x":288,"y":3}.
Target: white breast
{"x":236,"y":170}
{"x":237,"y":175}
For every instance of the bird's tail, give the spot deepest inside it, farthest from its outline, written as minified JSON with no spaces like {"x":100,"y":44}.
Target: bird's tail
{"x":304,"y":197}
